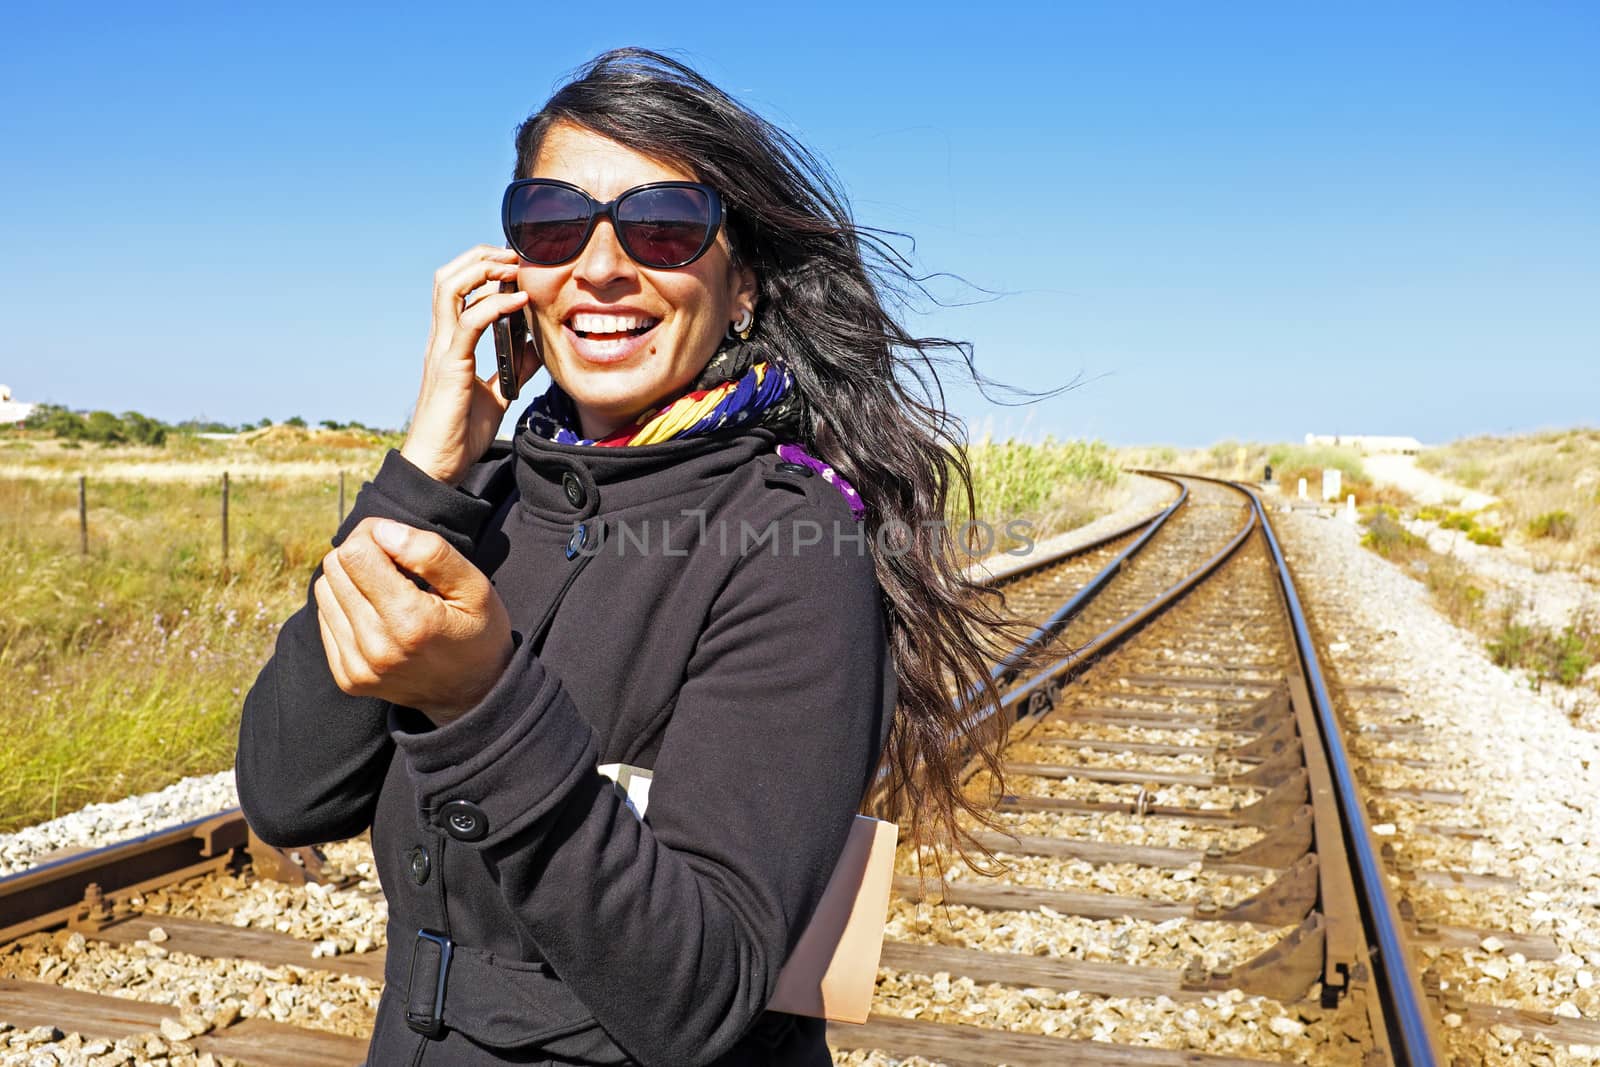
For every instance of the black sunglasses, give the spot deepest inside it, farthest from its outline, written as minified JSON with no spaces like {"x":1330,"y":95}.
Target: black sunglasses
{"x":661,"y":225}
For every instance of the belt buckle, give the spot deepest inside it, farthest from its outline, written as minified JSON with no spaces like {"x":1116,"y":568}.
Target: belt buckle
{"x":428,"y":1018}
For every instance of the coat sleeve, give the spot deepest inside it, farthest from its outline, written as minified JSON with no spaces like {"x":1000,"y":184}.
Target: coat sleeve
{"x":672,"y":931}
{"x":311,"y":759}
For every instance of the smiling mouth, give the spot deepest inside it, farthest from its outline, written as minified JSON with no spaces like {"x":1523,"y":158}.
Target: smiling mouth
{"x":610,"y":327}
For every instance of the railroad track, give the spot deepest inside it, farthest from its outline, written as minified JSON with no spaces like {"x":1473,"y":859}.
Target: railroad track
{"x":1180,"y":839}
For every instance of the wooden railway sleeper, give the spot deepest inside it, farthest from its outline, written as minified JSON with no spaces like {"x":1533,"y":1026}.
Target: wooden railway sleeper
{"x":1274,"y":703}
{"x":1288,"y":899}
{"x":1277,"y":804}
{"x":1272,"y":809}
{"x":1269,"y":773}
{"x":1259,"y":748}
{"x":1268,"y":742}
{"x":1285,"y":972}
{"x":1281,"y":846}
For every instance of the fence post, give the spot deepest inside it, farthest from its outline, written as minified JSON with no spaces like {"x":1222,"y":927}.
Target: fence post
{"x":224,"y":518}
{"x":83,"y":516}
{"x":341,"y":496}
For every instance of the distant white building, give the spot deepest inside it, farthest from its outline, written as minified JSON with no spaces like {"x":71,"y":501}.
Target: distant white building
{"x":10,"y":410}
{"x":1370,"y":444}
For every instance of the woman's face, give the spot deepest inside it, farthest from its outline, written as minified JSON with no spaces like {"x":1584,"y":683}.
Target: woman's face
{"x":611,"y":376}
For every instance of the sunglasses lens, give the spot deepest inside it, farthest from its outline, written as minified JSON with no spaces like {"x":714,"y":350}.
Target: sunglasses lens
{"x":665,"y":227}
{"x":546,"y":223}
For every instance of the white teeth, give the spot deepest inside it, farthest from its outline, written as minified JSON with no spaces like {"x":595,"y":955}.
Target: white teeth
{"x":584,"y":322}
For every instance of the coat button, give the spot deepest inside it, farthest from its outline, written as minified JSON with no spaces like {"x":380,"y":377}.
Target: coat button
{"x":418,"y":863}
{"x":795,"y":468}
{"x":574,"y":489}
{"x":575,"y":542}
{"x":464,"y":820}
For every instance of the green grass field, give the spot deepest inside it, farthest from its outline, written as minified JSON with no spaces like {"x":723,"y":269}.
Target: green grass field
{"x":125,"y":668}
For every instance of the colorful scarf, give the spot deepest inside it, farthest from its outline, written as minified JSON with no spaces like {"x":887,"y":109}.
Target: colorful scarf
{"x":736,"y":389}
{"x":731,"y":403}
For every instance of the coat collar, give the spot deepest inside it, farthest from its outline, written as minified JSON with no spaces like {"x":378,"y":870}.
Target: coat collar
{"x":569,"y":483}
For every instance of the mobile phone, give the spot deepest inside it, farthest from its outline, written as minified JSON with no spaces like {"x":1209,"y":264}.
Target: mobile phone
{"x":514,"y":336}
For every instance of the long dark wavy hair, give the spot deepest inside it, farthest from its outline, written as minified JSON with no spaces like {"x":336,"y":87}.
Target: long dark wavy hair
{"x":873,"y":406}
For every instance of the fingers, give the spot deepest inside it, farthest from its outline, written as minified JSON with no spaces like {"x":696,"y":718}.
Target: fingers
{"x":441,"y":277}
{"x":467,"y":272}
{"x":477,"y":318}
{"x":336,"y":636}
{"x":370,"y":636}
{"x":431,"y":558}
{"x":385,"y":638}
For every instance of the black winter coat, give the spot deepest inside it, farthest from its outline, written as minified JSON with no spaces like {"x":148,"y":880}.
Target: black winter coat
{"x":695,"y":607}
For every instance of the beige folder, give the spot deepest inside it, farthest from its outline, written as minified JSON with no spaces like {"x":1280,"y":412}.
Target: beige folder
{"x":833,"y":969}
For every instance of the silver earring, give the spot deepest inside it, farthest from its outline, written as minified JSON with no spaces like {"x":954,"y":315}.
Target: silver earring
{"x":747,"y":320}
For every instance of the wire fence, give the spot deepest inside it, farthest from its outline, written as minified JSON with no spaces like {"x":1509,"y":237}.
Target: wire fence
{"x":24,"y":511}
{"x":83,"y":511}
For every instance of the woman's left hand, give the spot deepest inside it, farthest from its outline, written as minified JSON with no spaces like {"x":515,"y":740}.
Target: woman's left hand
{"x":439,"y":650}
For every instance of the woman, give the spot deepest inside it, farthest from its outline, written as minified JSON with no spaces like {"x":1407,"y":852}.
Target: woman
{"x":655,"y":576}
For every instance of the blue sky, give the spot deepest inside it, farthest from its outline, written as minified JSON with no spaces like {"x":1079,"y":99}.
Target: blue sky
{"x":1231,"y":219}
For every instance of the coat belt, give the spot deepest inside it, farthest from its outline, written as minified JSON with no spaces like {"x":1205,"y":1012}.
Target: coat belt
{"x":494,"y":1001}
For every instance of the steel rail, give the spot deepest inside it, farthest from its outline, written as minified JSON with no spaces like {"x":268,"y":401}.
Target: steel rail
{"x":1061,"y":555}
{"x":54,"y":893}
{"x":1097,"y":647}
{"x":1004,"y":672}
{"x":1045,"y":684}
{"x":1412,"y":1029}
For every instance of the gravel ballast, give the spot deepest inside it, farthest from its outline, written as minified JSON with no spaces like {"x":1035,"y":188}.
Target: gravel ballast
{"x":1529,"y":780}
{"x":98,"y":825}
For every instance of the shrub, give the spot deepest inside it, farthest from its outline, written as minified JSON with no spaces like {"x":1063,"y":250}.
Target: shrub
{"x":143,"y":430}
{"x":1484,"y":535}
{"x":1555,"y":525}
{"x":1457,"y":520}
{"x":1298,"y":457}
{"x":102,"y":427}
{"x":1549,"y":656}
{"x":56,"y":421}
{"x":1571,"y":655}
{"x":1389,"y":539}
{"x":1514,"y":645}
{"x":1453,"y":590}
{"x":201,"y":425}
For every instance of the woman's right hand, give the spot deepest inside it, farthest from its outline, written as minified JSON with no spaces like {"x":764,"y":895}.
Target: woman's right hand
{"x":458,"y":413}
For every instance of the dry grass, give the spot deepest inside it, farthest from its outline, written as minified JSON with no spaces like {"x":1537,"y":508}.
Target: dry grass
{"x":278,"y":452}
{"x":1248,"y":462}
{"x":1548,"y":485}
{"x":126,"y":666}
{"x":1457,"y":593}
